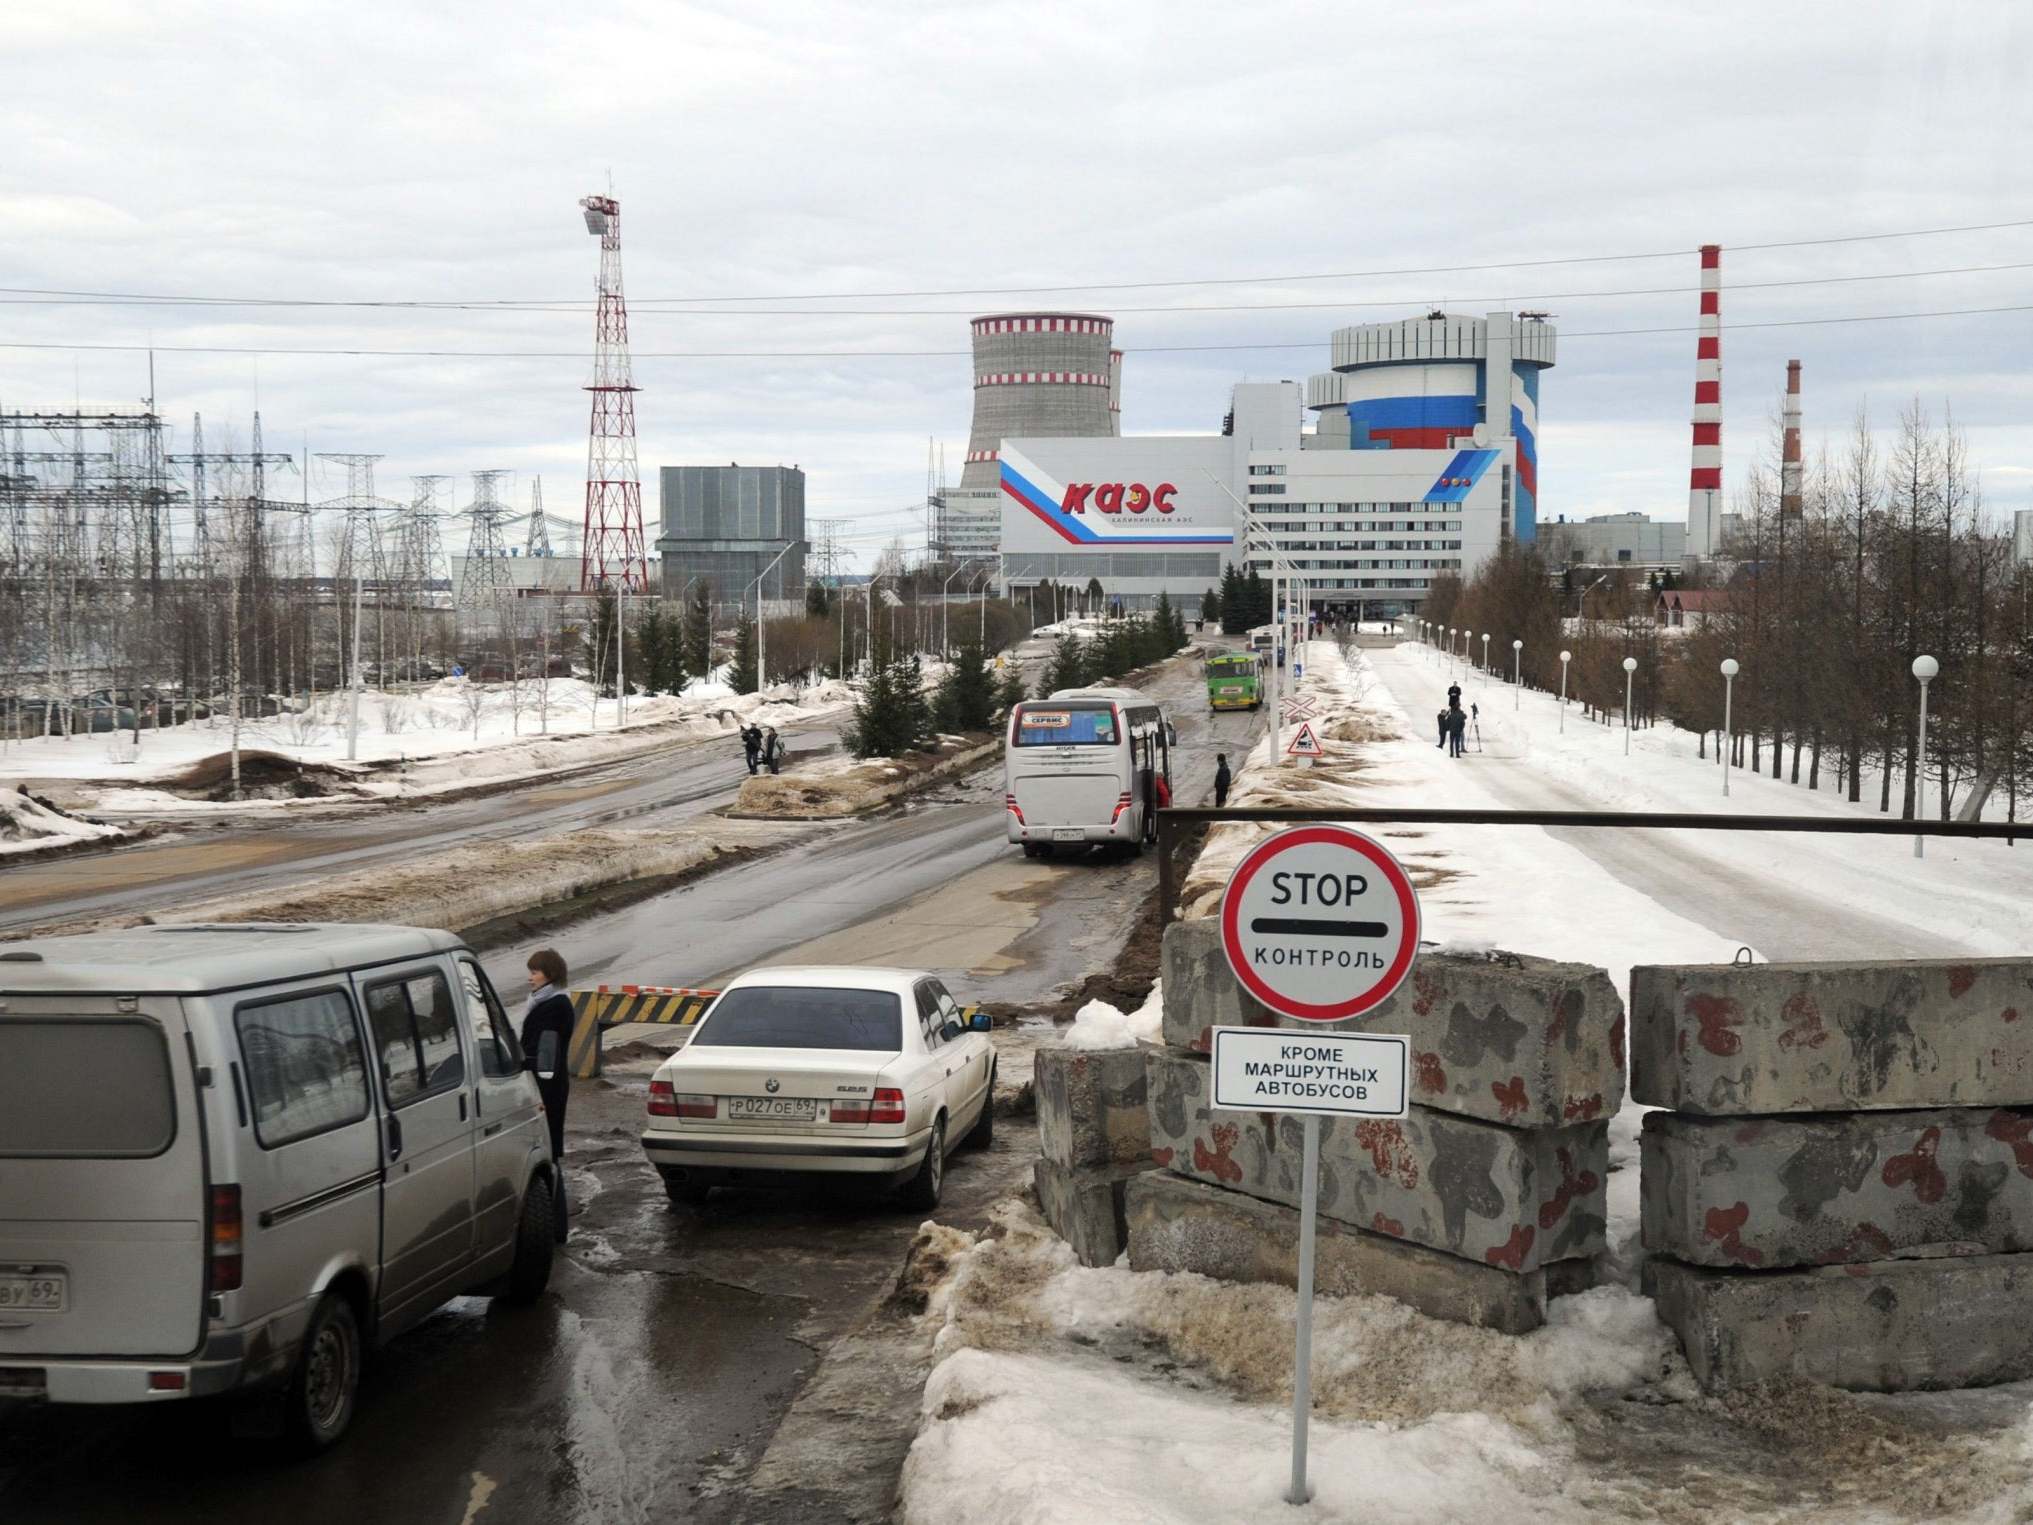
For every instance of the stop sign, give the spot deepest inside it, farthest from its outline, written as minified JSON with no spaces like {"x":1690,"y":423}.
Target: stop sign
{"x":1320,"y":923}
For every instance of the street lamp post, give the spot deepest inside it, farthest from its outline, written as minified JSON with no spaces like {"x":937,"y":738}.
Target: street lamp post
{"x":761,"y":624}
{"x":1517,"y":673}
{"x":1485,"y":659}
{"x":1630,"y":667}
{"x":1924,"y":668}
{"x":1729,"y":677}
{"x":1565,"y":658}
{"x":945,"y":609}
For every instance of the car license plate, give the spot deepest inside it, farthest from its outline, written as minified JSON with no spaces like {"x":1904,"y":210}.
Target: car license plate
{"x":1068,"y":834}
{"x":784,"y":1109}
{"x":33,"y":1294}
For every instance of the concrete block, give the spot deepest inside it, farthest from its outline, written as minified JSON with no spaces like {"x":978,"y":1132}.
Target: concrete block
{"x":1730,"y":1040}
{"x":1181,"y":1225}
{"x":1091,"y":1107}
{"x":1085,"y":1207}
{"x":1498,"y":1196}
{"x":1525,"y":1042}
{"x":1886,"y":1327}
{"x":1859,"y":1186}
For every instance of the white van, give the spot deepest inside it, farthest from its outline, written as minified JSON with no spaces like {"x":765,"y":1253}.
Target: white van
{"x":205,"y":1185}
{"x":1084,"y":766}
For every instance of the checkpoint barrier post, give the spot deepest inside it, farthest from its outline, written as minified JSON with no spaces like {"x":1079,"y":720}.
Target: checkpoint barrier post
{"x":1319,"y":923}
{"x":607,"y":1006}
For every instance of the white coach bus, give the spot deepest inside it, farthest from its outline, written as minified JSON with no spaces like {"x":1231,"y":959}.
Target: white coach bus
{"x":1086,"y":766}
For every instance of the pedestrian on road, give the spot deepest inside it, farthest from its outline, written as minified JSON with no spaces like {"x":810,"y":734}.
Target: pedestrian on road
{"x":1443,"y":732}
{"x":550,"y":1012}
{"x":751,"y":743}
{"x":1457,"y":727}
{"x":1454,"y":696}
{"x":1222,"y":779}
{"x":772,"y":750}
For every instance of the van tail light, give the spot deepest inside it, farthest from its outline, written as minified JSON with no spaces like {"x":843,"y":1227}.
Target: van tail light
{"x":1010,"y":804}
{"x":665,"y":1101}
{"x":885,"y":1106}
{"x":227,"y":1238}
{"x":1121,"y":804}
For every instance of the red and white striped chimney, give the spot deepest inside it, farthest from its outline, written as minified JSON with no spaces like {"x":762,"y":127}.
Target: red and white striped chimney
{"x":1704,"y":481}
{"x":1789,"y":455}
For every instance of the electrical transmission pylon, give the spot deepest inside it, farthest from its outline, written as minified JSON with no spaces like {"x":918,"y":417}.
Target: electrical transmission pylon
{"x":613,"y":554}
{"x":538,"y":542}
{"x":487,"y":578}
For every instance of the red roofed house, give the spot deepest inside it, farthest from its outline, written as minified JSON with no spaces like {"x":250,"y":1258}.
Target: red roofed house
{"x":1690,"y":608}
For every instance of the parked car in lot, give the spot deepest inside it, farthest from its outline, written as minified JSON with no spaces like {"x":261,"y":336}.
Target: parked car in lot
{"x":867,"y":1075}
{"x":238,"y":1157}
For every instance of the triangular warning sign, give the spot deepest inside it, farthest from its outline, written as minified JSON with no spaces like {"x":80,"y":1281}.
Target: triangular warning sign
{"x":1305,"y":744}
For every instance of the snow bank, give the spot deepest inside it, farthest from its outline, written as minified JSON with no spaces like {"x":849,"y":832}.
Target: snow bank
{"x":1100,"y":1025}
{"x":830,"y":790}
{"x":29,"y":826}
{"x":1065,"y":1394}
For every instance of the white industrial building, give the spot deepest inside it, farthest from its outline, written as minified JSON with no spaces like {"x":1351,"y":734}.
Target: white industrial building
{"x":1420,"y":465}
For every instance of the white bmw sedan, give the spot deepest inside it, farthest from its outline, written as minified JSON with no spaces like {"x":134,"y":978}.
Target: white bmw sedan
{"x":872,"y":1074}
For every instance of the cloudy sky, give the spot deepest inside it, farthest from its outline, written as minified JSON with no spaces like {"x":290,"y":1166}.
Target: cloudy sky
{"x":1226,"y":180}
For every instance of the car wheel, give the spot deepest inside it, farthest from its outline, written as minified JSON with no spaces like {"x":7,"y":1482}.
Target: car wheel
{"x":535,"y":1245}
{"x":922,"y":1194}
{"x":982,"y":1134}
{"x":686,"y":1193}
{"x":327,"y":1378}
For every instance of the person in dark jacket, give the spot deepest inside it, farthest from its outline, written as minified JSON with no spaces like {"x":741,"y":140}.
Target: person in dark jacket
{"x":549,"y":1011}
{"x":1457,"y":727}
{"x":751,"y":744}
{"x":1443,"y":731}
{"x":1222,"y":779}
{"x":1454,"y":696}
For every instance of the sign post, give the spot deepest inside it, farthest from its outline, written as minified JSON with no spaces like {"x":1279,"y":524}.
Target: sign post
{"x":1320,"y":924}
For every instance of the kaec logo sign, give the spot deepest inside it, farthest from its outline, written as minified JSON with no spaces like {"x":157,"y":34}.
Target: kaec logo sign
{"x":1117,"y":497}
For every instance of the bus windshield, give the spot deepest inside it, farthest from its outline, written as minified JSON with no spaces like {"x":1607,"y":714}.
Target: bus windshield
{"x":1067,"y":725}
{"x":1239,"y":666}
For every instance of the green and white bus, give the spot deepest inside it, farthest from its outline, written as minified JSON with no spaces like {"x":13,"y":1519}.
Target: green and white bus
{"x":1235,"y":681}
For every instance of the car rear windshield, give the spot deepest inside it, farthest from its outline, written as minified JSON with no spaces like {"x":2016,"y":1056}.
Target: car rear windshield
{"x":804,"y":1016}
{"x":1066,"y":725}
{"x":84,"y":1088}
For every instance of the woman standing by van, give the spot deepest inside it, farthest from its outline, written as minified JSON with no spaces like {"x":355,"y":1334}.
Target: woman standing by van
{"x":549,"y":1011}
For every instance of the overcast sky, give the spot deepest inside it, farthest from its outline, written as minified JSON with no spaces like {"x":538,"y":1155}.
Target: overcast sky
{"x":804,"y":151}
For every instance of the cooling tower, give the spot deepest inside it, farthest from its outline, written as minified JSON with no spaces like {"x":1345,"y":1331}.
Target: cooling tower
{"x":1036,"y":374}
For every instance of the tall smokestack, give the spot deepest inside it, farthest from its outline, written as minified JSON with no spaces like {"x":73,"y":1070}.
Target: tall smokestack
{"x":1115,"y":391}
{"x":1704,"y":481}
{"x":1789,"y":457}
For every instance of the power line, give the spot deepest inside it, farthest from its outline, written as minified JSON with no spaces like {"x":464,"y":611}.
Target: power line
{"x":1516,"y":299}
{"x":570,"y":304}
{"x":934,"y":354}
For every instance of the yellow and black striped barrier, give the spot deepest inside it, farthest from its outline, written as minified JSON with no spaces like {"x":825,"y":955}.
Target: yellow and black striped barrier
{"x":617,"y":1005}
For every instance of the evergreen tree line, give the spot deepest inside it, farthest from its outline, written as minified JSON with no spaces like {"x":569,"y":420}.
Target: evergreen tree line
{"x":1892,"y":556}
{"x":1244,"y":602}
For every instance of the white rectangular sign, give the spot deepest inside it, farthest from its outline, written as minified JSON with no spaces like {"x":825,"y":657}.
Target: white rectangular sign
{"x":1282,"y":1069}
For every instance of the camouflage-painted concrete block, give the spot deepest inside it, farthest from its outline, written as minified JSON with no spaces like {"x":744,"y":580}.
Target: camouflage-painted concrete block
{"x":1525,"y":1042}
{"x":1887,"y":1327}
{"x":1086,"y":1207}
{"x":1772,"y":1192}
{"x":1181,"y":1225}
{"x":1091,"y":1107}
{"x":1740,"y":1040}
{"x":1506,"y":1197}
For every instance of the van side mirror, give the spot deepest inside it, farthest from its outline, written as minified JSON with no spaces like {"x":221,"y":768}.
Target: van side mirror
{"x":547,"y":1056}
{"x":1171,"y":734}
{"x":981,"y":1022}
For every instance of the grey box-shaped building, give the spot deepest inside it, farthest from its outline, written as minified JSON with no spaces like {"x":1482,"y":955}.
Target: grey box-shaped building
{"x":727,"y":525}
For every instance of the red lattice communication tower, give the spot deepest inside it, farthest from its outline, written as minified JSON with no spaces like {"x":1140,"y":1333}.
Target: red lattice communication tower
{"x":613,"y":556}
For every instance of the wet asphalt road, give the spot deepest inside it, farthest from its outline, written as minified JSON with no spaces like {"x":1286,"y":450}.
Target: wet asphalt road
{"x":669,"y":783}
{"x":678,"y":1367}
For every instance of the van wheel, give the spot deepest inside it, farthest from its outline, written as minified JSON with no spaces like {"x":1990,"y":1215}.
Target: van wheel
{"x":922,"y":1193}
{"x":535,"y":1245}
{"x":327,"y":1378}
{"x":982,"y":1134}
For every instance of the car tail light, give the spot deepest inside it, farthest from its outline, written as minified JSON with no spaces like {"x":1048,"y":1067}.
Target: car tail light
{"x":166,"y":1382}
{"x":1009,"y":803}
{"x":1121,"y":804}
{"x":885,"y":1106}
{"x":227,"y":1236}
{"x":665,"y":1101}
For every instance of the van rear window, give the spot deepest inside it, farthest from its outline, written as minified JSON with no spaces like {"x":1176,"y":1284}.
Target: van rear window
{"x":84,"y":1088}
{"x":1066,"y":725}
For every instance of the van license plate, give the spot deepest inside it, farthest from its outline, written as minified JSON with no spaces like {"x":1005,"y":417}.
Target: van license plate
{"x":778,"y":1109}
{"x":1068,"y":834}
{"x":33,"y":1294}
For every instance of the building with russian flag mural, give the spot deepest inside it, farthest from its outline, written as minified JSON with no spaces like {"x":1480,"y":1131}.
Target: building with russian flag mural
{"x":1419,"y":464}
